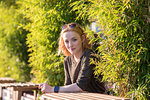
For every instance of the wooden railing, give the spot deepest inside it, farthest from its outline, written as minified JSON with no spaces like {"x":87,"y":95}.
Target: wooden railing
{"x":6,"y":80}
{"x":79,"y":96}
{"x":15,"y":90}
{"x":9,"y":90}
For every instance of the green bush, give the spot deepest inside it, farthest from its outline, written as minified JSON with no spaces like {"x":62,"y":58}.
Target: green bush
{"x":13,"y":49}
{"x":124,"y":43}
{"x":45,"y":21}
{"x":124,"y":39}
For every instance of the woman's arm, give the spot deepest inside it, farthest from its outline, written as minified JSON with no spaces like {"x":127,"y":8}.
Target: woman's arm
{"x":70,"y":88}
{"x":45,"y":88}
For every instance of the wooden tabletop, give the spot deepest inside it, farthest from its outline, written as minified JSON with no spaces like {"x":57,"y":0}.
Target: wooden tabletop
{"x":79,"y":96}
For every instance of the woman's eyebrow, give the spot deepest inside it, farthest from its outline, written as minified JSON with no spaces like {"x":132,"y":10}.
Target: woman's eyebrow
{"x":70,"y":38}
{"x":73,"y":37}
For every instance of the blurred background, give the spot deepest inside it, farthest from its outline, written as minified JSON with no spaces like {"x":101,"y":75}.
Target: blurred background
{"x":29,"y":32}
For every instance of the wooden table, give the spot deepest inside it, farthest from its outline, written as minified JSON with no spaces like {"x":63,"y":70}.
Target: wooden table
{"x":17,"y":89}
{"x":79,"y":96}
{"x":6,"y":80}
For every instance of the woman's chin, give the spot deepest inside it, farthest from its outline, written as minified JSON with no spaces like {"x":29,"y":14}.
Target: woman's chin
{"x":72,"y":53}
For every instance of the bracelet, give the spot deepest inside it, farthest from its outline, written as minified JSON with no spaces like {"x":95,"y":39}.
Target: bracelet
{"x":56,"y":89}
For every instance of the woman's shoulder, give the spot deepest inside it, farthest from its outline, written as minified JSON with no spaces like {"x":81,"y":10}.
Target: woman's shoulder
{"x":88,"y":52}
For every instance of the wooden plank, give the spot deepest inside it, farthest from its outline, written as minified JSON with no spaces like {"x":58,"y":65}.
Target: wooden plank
{"x":53,"y":97}
{"x":18,"y":85}
{"x":35,"y":94}
{"x":104,"y":96}
{"x":68,"y":96}
{"x":80,"y":96}
{"x":6,"y":80}
{"x":19,"y":88}
{"x":6,"y":94}
{"x":0,"y":93}
{"x":25,"y":88}
{"x":27,"y":97}
{"x":14,"y":95}
{"x":75,"y":95}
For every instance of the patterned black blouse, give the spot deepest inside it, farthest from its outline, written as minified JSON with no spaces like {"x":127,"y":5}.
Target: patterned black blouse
{"x":82,"y":73}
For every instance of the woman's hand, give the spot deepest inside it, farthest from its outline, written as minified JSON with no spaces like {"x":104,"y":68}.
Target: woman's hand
{"x":45,"y":88}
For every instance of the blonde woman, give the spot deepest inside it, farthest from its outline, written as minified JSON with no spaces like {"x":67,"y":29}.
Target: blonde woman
{"x":79,"y":76}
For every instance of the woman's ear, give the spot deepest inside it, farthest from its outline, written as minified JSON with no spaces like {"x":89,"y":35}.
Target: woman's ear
{"x":83,"y":37}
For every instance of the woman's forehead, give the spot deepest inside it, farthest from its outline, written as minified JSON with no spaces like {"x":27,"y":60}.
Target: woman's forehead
{"x":71,"y":34}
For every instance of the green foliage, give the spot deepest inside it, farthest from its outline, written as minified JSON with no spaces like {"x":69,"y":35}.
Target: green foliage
{"x":124,"y":49}
{"x":124,"y":43}
{"x":45,"y":20}
{"x":8,"y":3}
{"x":13,"y":49}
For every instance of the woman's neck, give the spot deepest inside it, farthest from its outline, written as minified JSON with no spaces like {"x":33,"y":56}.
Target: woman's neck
{"x":78,"y":56}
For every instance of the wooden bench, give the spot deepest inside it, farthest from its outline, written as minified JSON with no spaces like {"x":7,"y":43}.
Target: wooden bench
{"x":79,"y":96}
{"x":6,"y":80}
{"x":16,"y":90}
{"x":2,"y":81}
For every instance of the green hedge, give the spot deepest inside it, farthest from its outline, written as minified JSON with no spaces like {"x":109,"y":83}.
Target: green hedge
{"x":45,"y":21}
{"x":124,"y":49}
{"x":13,"y":49}
{"x":124,"y":43}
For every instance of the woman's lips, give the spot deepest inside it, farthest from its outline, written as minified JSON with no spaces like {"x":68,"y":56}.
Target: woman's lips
{"x":72,"y":49}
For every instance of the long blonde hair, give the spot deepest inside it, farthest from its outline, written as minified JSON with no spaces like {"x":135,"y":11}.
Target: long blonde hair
{"x":62,"y":48}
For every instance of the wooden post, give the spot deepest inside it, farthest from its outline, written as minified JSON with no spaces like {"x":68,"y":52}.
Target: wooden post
{"x":0,"y":93}
{"x":35,"y":94}
{"x":19,"y":88}
{"x":19,"y":95}
{"x":14,"y":95}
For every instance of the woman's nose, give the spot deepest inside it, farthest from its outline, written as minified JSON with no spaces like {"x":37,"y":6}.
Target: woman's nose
{"x":70,"y":44}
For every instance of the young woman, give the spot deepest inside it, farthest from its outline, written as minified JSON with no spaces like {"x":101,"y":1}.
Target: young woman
{"x":79,"y":76}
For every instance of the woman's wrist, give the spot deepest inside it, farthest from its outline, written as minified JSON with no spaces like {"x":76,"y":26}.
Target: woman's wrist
{"x":56,"y":89}
{"x":52,"y":91}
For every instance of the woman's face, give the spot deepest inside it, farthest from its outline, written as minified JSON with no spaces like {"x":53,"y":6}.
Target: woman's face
{"x":73,"y":42}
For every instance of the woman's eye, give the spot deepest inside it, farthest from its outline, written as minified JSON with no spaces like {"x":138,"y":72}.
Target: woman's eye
{"x":66,"y":41}
{"x":74,"y":39}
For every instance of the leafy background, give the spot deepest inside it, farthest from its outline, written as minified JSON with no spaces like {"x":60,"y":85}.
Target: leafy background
{"x":29,"y":32}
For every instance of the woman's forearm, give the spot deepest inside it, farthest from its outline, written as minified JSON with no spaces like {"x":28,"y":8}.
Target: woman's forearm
{"x":45,"y":88}
{"x":70,"y":88}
